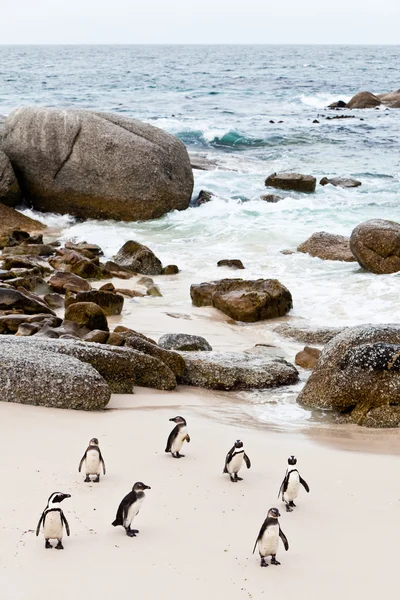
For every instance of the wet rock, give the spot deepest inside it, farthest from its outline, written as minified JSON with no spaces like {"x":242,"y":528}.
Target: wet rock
{"x":25,"y":262}
{"x":10,"y":324}
{"x":98,"y":336}
{"x":81,"y":247}
{"x":153,"y":290}
{"x":114,"y":339}
{"x":109,"y":302}
{"x":87,"y":269}
{"x":139,"y":259}
{"x":338,"y":104}
{"x":202,"y":163}
{"x":376,"y":246}
{"x":113,"y":270}
{"x":183,"y":342}
{"x":146,"y":281}
{"x":292,"y":181}
{"x":237,"y":371}
{"x":129,"y":293}
{"x":271,"y":198}
{"x":127,"y":332}
{"x":27,"y":329}
{"x":364,"y":100}
{"x":328,"y":246}
{"x":14,"y":299}
{"x":343,"y":182}
{"x":307,"y":358}
{"x":173,"y":360}
{"x":31,"y":284}
{"x":202,"y":198}
{"x":15,"y":237}
{"x":11,"y":221}
{"x":308,"y":335}
{"x":54,"y":301}
{"x":358,"y":372}
{"x":29,"y":250}
{"x":170,"y":270}
{"x":108,"y":287}
{"x":10,"y":192}
{"x":242,"y":300}
{"x":287,"y":252}
{"x":62,"y":281}
{"x":87,"y":314}
{"x":234,"y":263}
{"x":97,"y":165}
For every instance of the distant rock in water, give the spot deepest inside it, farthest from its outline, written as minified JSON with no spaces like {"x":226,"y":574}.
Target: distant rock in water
{"x":376,"y":246}
{"x":292,"y":181}
{"x":271,"y":198}
{"x":338,"y":104}
{"x":364,"y":100}
{"x":327,"y":246}
{"x":344,"y":182}
{"x":97,"y":165}
{"x":202,"y":198}
{"x":233,"y":263}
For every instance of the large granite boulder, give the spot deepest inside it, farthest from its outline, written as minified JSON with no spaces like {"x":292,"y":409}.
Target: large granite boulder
{"x":328,"y":246}
{"x":364,"y":100}
{"x":97,"y":165}
{"x":10,"y":192}
{"x":183,"y":342}
{"x":138,"y":258}
{"x":87,"y":314}
{"x":242,"y":300}
{"x":47,"y":379}
{"x":18,"y":300}
{"x":357,"y":372}
{"x":376,"y":246}
{"x":236,"y":371}
{"x":292,"y":181}
{"x":307,"y":334}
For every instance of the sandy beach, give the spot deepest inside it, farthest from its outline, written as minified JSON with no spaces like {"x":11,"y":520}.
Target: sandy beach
{"x":197,"y":530}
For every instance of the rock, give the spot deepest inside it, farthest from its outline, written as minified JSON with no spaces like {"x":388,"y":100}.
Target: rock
{"x":114,"y":339}
{"x":315,"y":121}
{"x":307,"y":358}
{"x":114,"y":270}
{"x":376,"y":246}
{"x":107,"y":287}
{"x":202,"y":198}
{"x":292,"y":181}
{"x":146,"y":281}
{"x":308,"y":335}
{"x":173,"y":360}
{"x":14,"y":299}
{"x":29,"y":250}
{"x":287,"y":252}
{"x":242,"y":300}
{"x":25,"y":262}
{"x":202,"y":163}
{"x":183,"y":342}
{"x":109,"y":302}
{"x":338,"y":104}
{"x":87,"y":269}
{"x":271,"y":198}
{"x":358,"y":372}
{"x":10,"y":192}
{"x":31,"y":284}
{"x":54,"y":300}
{"x":97,"y":165}
{"x":139,"y":259}
{"x":344,"y":182}
{"x":87,"y":314}
{"x":47,"y":379}
{"x":129,"y":293}
{"x":98,"y":336}
{"x":15,"y":237}
{"x":234,"y":263}
{"x":62,"y":281}
{"x":153,"y":290}
{"x":127,"y":332}
{"x":236,"y":371}
{"x":27,"y":329}
{"x":170,"y":270}
{"x":327,"y":246}
{"x":364,"y":100}
{"x":10,"y":324}
{"x":12,"y":220}
{"x":82,"y":247}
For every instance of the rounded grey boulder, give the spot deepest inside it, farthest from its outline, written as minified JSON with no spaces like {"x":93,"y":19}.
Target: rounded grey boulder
{"x":184,"y":342}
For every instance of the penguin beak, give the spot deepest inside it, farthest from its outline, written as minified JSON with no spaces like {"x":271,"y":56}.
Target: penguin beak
{"x":173,"y":419}
{"x":67,"y":496}
{"x":147,"y":487}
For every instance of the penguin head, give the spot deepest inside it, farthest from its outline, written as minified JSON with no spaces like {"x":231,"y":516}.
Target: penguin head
{"x":238,"y":444}
{"x":274,"y":513}
{"x":139,"y":486}
{"x":57,"y":497}
{"x":292,"y":460}
{"x":179,"y":420}
{"x":94,"y":442}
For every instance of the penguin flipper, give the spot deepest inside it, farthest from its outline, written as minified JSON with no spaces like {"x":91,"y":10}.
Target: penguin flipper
{"x":81,"y":463}
{"x":283,"y":487}
{"x":261,"y":533}
{"x":304,"y":484}
{"x":228,"y":459}
{"x":187,"y":438}
{"x":170,"y":439}
{"x":284,"y":539}
{"x":41,"y":520}
{"x":247,"y":460}
{"x":64,"y":520}
{"x":102,"y":462}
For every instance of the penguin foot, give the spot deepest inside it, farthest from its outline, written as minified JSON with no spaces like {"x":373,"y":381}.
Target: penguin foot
{"x":135,"y":530}
{"x":288,"y":509}
{"x":130,"y":533}
{"x":239,"y":478}
{"x":291,"y":503}
{"x":97,"y":479}
{"x":263,"y":563}
{"x":59,"y":546}
{"x":47,"y":544}
{"x":87,"y":480}
{"x":274,"y":561}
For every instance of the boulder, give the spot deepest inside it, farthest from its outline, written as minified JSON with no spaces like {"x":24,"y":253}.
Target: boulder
{"x":327,"y":246}
{"x":47,"y":379}
{"x":10,"y":192}
{"x":292,"y":181}
{"x":98,"y":336}
{"x":338,"y":104}
{"x":15,"y":299}
{"x":307,"y":358}
{"x":29,"y":250}
{"x":10,"y":324}
{"x":182,"y":342}
{"x":87,"y":314}
{"x":114,"y":339}
{"x":107,"y":287}
{"x":97,"y":165}
{"x":359,"y":371}
{"x":233,"y":263}
{"x":376,"y":246}
{"x":84,"y":248}
{"x":127,"y":332}
{"x":113,"y":270}
{"x":62,"y":281}
{"x":236,"y":371}
{"x":242,"y":300}
{"x":202,"y":198}
{"x":343,"y":182}
{"x":139,"y":259}
{"x":26,"y":262}
{"x":32,"y":283}
{"x":173,"y":360}
{"x":153,"y":290}
{"x":271,"y":198}
{"x":308,"y":335}
{"x":87,"y":269}
{"x":170,"y":270}
{"x":109,"y":302}
{"x":54,"y":300}
{"x":364,"y":100}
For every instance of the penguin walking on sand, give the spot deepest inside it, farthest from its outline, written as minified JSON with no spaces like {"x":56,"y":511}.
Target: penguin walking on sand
{"x":177,"y":436}
{"x":129,"y":508}
{"x":268,"y":538}
{"x":93,"y":461}
{"x":234,"y":461}
{"x":53,"y":520}
{"x":290,"y":486}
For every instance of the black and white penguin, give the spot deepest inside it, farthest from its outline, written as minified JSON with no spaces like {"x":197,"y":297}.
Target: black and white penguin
{"x":234,"y":461}
{"x":290,"y":486}
{"x":129,"y":508}
{"x":268,"y":538}
{"x":93,"y":461}
{"x":53,"y":520}
{"x":177,"y":436}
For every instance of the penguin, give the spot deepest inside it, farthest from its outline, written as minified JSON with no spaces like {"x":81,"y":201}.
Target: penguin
{"x":93,"y":460}
{"x":290,"y":486}
{"x":234,"y":461}
{"x":129,"y":508}
{"x":268,"y":538}
{"x":53,"y":520}
{"x":177,"y":436}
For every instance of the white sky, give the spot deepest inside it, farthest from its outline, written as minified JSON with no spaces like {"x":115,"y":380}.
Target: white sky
{"x":199,"y":21}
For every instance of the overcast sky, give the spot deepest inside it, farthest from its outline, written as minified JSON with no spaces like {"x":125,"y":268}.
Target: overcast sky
{"x":198,"y":22}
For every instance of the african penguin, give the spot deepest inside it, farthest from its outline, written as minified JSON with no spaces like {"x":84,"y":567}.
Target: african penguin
{"x":93,"y":461}
{"x":177,"y":436}
{"x":53,"y":520}
{"x":268,"y":538}
{"x":234,"y":461}
{"x":290,"y":486}
{"x":129,"y":508}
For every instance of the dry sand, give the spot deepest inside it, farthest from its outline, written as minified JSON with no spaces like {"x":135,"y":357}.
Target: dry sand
{"x":197,"y":529}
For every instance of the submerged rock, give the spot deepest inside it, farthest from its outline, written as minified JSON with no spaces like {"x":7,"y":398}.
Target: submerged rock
{"x":233,"y":263}
{"x":328,"y":246}
{"x":343,"y":182}
{"x":376,"y":246}
{"x":184,"y":342}
{"x":292,"y":181}
{"x":308,"y":335}
{"x":202,"y":198}
{"x":271,"y":198}
{"x":138,"y":258}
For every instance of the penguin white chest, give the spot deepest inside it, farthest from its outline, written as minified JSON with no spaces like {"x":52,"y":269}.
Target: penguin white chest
{"x":236,"y":463}
{"x":53,"y":526}
{"x":268,"y":544}
{"x":179,"y":439}
{"x":133,"y":511}
{"x":92,"y":462}
{"x":293,"y":487}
